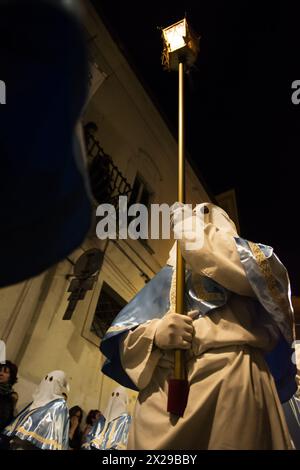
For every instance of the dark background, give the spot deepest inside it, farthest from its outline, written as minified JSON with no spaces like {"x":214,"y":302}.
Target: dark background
{"x":242,"y":130}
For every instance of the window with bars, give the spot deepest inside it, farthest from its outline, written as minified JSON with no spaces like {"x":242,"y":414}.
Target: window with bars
{"x":107,"y":181}
{"x":109,"y":305}
{"x":140,"y":192}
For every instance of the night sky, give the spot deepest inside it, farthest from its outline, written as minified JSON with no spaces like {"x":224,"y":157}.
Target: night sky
{"x":242,"y":130}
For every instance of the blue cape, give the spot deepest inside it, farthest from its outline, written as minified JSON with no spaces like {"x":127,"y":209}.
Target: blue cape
{"x":153,"y":302}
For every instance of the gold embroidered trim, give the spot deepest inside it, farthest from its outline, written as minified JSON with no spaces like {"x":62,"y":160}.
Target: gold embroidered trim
{"x":116,"y":328}
{"x":172,"y":297}
{"x":271,"y":282}
{"x":41,"y":439}
{"x":14,"y":424}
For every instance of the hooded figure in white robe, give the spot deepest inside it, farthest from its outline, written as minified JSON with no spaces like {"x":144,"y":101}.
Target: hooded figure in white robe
{"x":43,"y":424}
{"x":111,"y":433}
{"x":237,"y":333}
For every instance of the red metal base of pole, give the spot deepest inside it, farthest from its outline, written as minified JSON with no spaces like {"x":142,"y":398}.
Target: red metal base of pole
{"x":177,"y":396}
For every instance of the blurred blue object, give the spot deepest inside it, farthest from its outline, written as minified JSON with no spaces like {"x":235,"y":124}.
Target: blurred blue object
{"x":45,"y":202}
{"x":283,"y":369}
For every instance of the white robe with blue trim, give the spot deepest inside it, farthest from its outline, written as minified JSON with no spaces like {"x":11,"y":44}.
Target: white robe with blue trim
{"x":233,"y":402}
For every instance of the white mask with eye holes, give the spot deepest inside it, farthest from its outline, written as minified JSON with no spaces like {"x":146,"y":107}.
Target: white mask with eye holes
{"x":117,"y":404}
{"x":207,"y":213}
{"x":51,"y":388}
{"x":216,"y":216}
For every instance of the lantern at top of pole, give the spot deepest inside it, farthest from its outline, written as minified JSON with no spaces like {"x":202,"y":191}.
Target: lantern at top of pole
{"x":181,"y":47}
{"x":181,"y":44}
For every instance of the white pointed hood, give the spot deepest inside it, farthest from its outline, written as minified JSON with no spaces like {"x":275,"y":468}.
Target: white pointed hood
{"x":117,"y":404}
{"x":208,"y":213}
{"x":51,"y":387}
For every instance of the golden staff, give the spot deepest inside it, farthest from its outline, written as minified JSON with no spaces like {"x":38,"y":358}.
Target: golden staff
{"x":180,"y":52}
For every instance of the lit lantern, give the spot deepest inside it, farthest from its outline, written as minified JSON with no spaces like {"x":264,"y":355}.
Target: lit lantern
{"x":180,"y":45}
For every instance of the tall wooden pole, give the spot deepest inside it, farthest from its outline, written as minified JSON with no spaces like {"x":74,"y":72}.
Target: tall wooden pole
{"x":179,"y":54}
{"x":178,"y":386}
{"x":180,"y":264}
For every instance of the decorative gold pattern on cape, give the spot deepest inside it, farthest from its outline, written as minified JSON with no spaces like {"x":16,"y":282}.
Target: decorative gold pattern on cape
{"x":278,"y":297}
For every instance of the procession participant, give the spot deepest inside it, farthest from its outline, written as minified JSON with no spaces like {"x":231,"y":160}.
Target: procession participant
{"x":238,"y":334}
{"x":43,"y":424}
{"x":111,"y":432}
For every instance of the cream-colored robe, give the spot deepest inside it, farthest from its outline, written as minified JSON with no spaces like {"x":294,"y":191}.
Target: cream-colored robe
{"x":233,"y":402}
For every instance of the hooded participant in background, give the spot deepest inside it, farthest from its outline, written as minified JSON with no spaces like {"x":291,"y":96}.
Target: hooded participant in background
{"x":44,"y":424}
{"x":111,"y":432}
{"x":237,"y":333}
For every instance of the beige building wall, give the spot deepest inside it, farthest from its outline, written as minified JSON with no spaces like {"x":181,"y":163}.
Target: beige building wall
{"x":132,"y":132}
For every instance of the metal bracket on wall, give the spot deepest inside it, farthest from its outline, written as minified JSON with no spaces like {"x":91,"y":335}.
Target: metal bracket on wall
{"x":86,"y":270}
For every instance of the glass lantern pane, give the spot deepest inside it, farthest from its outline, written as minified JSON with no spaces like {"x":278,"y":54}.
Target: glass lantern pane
{"x":174,"y":35}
